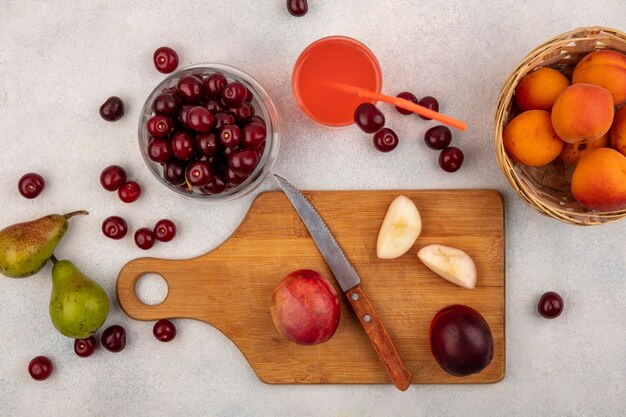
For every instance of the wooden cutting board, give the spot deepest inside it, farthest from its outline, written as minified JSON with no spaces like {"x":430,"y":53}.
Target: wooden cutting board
{"x":231,"y":287}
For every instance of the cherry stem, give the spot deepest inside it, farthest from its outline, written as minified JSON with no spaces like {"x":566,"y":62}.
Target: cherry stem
{"x":75,"y":213}
{"x":53,"y":259}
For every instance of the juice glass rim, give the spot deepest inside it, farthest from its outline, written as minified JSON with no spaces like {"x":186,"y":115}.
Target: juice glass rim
{"x":298,"y":65}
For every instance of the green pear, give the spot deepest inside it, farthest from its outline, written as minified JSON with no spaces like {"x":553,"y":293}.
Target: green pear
{"x":78,"y":305}
{"x":26,"y":247}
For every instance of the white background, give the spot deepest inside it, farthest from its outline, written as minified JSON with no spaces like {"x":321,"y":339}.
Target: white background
{"x":60,"y":59}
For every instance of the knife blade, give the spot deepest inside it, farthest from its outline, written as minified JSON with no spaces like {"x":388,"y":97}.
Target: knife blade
{"x":349,"y":282}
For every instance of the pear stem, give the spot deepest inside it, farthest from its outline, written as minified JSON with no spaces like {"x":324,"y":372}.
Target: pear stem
{"x":75,"y":213}
{"x":53,"y":259}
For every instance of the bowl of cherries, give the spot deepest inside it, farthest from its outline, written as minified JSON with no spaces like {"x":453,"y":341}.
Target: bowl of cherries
{"x":209,"y":132}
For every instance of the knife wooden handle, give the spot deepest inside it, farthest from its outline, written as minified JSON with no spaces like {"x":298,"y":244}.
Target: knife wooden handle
{"x":386,"y":350}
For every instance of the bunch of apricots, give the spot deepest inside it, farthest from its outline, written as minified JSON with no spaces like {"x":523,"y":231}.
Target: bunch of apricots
{"x":577,"y":122}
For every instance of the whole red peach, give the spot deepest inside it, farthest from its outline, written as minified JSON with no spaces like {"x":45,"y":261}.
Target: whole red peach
{"x":305,"y":308}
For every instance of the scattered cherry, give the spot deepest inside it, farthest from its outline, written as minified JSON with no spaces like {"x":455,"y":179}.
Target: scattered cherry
{"x":369,"y":118}
{"x":407,"y":96}
{"x":114,"y":227}
{"x":230,"y":136}
{"x":144,"y":238}
{"x":242,"y":163}
{"x":254,"y":135}
{"x":112,"y":177}
{"x":113,"y":338}
{"x":234,"y":94}
{"x":200,"y":119}
{"x":112,"y":109}
{"x":164,"y":330}
{"x":199,"y":173}
{"x":31,"y":185}
{"x":129,"y":192}
{"x":385,"y":140}
{"x":166,"y":104}
{"x":159,"y":150}
{"x":190,"y":88}
{"x":297,"y":8}
{"x":207,"y":143}
{"x":550,"y":305}
{"x":40,"y":368}
{"x":451,"y":159}
{"x":438,"y":137}
{"x":159,"y":126}
{"x":217,"y":185}
{"x":174,"y":172}
{"x":430,"y":103}
{"x":183,"y":146}
{"x":85,"y":347}
{"x":164,"y":230}
{"x":222,"y":119}
{"x":165,"y":59}
{"x":214,"y":85}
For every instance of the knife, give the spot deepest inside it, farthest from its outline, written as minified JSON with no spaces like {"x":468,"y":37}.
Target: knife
{"x":350,"y":283}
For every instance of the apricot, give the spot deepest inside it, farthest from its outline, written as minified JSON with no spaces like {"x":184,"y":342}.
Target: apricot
{"x":611,"y":77}
{"x":603,"y":57}
{"x":539,"y":89}
{"x":573,"y":152}
{"x":582,"y":112}
{"x":618,"y":132}
{"x":599,"y":180}
{"x":530,"y":139}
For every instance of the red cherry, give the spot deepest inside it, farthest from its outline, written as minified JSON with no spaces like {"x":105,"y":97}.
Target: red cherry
{"x":190,"y":88}
{"x":31,"y":185}
{"x":129,"y":192}
{"x":113,"y":338}
{"x":85,"y":347}
{"x":254,"y":135}
{"x":164,"y":230}
{"x":407,"y":96}
{"x":159,"y":126}
{"x":112,"y":109}
{"x":144,"y":238}
{"x":297,"y":8}
{"x":550,"y":305}
{"x":165,"y":59}
{"x":40,"y":368}
{"x":200,"y":119}
{"x":159,"y":150}
{"x":112,"y":177}
{"x":164,"y":330}
{"x":114,"y":227}
{"x":214,"y":85}
{"x":199,"y":173}
{"x":430,"y":103}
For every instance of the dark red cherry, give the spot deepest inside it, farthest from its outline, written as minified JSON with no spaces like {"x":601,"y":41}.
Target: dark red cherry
{"x":200,"y":119}
{"x":183,"y":113}
{"x":230,"y":136}
{"x":369,"y":118}
{"x":297,"y":8}
{"x":234,"y":94}
{"x":385,"y":140}
{"x":85,"y":347}
{"x":166,"y":105}
{"x":438,"y":137}
{"x":214,"y":85}
{"x":114,"y":227}
{"x":217,"y":185}
{"x":159,"y":150}
{"x":183,"y":146}
{"x":199,"y":173}
{"x":144,"y":238}
{"x":222,"y":119}
{"x":213,"y":106}
{"x":112,"y":109}
{"x":254,"y":135}
{"x":232,"y":178}
{"x":242,"y":163}
{"x":40,"y":368}
{"x":190,"y":88}
{"x":550,"y":305}
{"x":407,"y":96}
{"x":164,"y":230}
{"x":164,"y":330}
{"x":207,"y":143}
{"x":165,"y":59}
{"x":243,"y":113}
{"x":112,"y":177}
{"x":430,"y":103}
{"x":174,"y":172}
{"x":451,"y":159}
{"x":129,"y":192}
{"x":159,"y":126}
{"x":31,"y":185}
{"x":113,"y":338}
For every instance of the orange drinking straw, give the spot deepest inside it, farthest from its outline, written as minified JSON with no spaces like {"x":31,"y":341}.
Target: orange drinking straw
{"x":400,"y":102}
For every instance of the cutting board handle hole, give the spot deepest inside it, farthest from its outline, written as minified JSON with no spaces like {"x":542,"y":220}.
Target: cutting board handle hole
{"x":151,"y":289}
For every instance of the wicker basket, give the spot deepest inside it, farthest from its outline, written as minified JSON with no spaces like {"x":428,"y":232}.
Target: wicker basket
{"x":547,"y":189}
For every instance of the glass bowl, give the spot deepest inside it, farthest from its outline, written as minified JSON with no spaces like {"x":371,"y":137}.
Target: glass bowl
{"x":263,"y":107}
